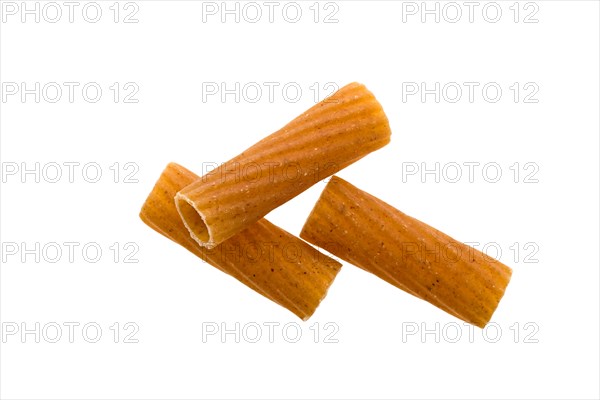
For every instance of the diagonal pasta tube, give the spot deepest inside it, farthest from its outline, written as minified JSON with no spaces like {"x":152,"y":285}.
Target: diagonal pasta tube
{"x":265,"y":258}
{"x":409,"y":254}
{"x":328,"y":137}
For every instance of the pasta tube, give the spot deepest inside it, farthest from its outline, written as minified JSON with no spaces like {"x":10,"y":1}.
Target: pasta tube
{"x":406,"y":252}
{"x":328,"y":137}
{"x":264,"y":257}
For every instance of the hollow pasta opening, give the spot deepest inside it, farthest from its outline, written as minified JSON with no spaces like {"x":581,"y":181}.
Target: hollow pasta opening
{"x":193,"y":221}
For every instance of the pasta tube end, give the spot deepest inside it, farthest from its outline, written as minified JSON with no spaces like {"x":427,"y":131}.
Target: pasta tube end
{"x":194,"y":221}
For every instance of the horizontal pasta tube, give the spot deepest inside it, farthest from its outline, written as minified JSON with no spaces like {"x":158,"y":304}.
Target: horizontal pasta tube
{"x":328,"y":137}
{"x":265,"y":258}
{"x":409,"y":254}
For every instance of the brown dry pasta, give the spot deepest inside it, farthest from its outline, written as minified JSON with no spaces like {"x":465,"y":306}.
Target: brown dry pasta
{"x":328,"y":137}
{"x":409,"y":254}
{"x":265,"y":258}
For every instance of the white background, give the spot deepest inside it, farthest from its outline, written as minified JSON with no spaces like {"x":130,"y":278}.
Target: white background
{"x":547,"y":321}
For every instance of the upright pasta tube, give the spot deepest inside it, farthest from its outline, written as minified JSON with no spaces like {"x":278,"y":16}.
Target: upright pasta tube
{"x":409,"y":254}
{"x":265,"y":258}
{"x":328,"y":137}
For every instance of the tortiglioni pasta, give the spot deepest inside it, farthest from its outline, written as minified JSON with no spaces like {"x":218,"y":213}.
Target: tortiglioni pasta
{"x":264,"y":257}
{"x":328,"y":137}
{"x":371,"y":234}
